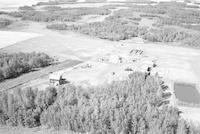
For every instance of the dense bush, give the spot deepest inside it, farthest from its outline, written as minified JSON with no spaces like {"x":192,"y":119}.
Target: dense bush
{"x":24,"y":107}
{"x":55,"y":13}
{"x":192,"y":26}
{"x":13,"y":65}
{"x":15,"y":14}
{"x":170,"y":13}
{"x":135,"y":105}
{"x":104,"y":30}
{"x":116,"y":27}
{"x":175,"y":14}
{"x":3,"y":12}
{"x":4,"y":22}
{"x":124,"y":24}
{"x":121,"y":31}
{"x":52,"y":8}
{"x":132,"y":106}
{"x":193,"y":41}
{"x":150,"y":15}
{"x":45,"y":16}
{"x":185,"y":16}
{"x":47,"y":3}
{"x":166,"y":34}
{"x":124,"y":15}
{"x":95,"y":1}
{"x":148,"y":9}
{"x":61,"y":1}
{"x":26,"y":8}
{"x":162,"y":21}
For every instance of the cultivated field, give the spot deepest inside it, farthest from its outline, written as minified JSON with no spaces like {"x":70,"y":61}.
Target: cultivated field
{"x":8,"y":38}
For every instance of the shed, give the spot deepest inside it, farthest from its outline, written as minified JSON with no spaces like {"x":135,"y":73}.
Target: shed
{"x":56,"y":79}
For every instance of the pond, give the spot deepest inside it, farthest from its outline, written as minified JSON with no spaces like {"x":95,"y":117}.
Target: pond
{"x":187,"y":93}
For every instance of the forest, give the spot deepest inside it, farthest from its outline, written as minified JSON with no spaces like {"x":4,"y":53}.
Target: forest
{"x":166,"y":34}
{"x":124,"y":24}
{"x":171,"y":13}
{"x":117,"y":30}
{"x":137,"y":105}
{"x":13,"y":65}
{"x":56,"y":13}
{"x":26,"y":8}
{"x":114,"y":28}
{"x":105,"y":30}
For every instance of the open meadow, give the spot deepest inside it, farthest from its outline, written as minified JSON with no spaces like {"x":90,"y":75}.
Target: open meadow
{"x":8,"y":38}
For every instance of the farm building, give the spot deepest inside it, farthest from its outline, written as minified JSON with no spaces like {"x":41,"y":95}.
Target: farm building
{"x":56,"y":79}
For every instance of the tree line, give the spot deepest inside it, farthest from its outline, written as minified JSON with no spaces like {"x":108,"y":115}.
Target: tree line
{"x":113,"y":28}
{"x":115,"y":31}
{"x":5,"y":22}
{"x":56,"y":13}
{"x":166,"y":34}
{"x":124,"y":25}
{"x":13,"y":65}
{"x":24,"y":107}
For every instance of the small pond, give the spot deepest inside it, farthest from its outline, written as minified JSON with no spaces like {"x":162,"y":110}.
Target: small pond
{"x":187,"y":93}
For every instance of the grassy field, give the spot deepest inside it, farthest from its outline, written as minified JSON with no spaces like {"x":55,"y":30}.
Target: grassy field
{"x":7,"y":38}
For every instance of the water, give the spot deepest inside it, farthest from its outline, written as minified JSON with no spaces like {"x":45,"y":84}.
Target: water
{"x":187,"y":93}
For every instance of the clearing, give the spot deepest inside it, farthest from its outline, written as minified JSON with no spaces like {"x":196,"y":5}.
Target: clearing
{"x":8,"y":38}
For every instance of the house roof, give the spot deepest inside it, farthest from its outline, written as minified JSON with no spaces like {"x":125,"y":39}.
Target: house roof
{"x":55,"y":76}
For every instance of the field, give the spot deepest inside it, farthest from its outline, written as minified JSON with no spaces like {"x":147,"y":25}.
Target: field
{"x":105,"y":43}
{"x":8,"y":38}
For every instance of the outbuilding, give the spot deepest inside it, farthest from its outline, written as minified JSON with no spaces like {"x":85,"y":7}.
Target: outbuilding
{"x":56,"y":79}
